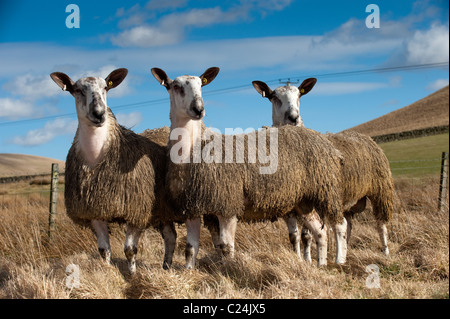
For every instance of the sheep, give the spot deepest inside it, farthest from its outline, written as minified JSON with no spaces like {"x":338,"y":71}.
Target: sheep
{"x":284,"y":113}
{"x":113,"y":174}
{"x":366,"y":172}
{"x":307,"y":173}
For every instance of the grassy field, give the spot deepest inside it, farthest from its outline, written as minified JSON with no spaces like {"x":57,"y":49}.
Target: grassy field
{"x":418,"y":157}
{"x":32,"y":266}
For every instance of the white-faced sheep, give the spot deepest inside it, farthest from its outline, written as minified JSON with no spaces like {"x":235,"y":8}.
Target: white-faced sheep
{"x":284,"y":112}
{"x":366,"y":172}
{"x":306,"y":177}
{"x":113,"y":174}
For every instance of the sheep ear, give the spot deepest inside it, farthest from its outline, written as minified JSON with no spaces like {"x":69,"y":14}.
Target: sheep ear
{"x":162,"y":77}
{"x":307,"y":85}
{"x":63,"y":81}
{"x":262,"y":89}
{"x":209,"y":75}
{"x":115,"y":78}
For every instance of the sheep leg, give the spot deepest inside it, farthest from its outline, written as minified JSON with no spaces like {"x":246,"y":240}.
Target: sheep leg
{"x":192,"y":241}
{"x":382,"y":231}
{"x":169,"y":235}
{"x":294,"y":237}
{"x":227,"y":228}
{"x":349,"y":217}
{"x":101,"y":231}
{"x":130,"y":248}
{"x":340,"y":232}
{"x":212,"y":223}
{"x":359,"y":207}
{"x":314,"y":224}
{"x":306,"y":237}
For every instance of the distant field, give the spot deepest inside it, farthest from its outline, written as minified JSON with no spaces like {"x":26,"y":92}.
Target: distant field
{"x":432,"y":110}
{"x":418,"y":157}
{"x":21,"y":164}
{"x":32,"y":266}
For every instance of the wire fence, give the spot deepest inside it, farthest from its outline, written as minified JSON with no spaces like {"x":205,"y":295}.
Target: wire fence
{"x":413,"y":170}
{"x":33,"y":183}
{"x":416,"y":168}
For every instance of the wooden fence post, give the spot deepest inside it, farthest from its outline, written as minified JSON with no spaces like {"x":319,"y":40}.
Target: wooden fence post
{"x":443,"y":185}
{"x":53,"y":199}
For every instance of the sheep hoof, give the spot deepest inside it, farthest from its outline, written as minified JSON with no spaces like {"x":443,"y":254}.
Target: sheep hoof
{"x":227,"y":250}
{"x":189,"y":266}
{"x":132,"y":268}
{"x":166,"y":265}
{"x":340,"y":261}
{"x":105,"y":254}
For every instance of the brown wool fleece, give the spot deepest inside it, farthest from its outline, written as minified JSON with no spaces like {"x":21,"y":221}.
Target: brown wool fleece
{"x":126,"y":185}
{"x":308,"y":175}
{"x":365,"y":172}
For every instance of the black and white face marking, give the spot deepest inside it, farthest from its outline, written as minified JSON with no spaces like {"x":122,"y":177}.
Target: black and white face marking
{"x":186,"y":94}
{"x":90,"y":100}
{"x":90,"y":94}
{"x":285,"y":101}
{"x":286,"y":106}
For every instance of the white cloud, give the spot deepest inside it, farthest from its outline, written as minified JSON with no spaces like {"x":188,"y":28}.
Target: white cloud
{"x":171,"y":28}
{"x":436,"y":85}
{"x":429,"y":46}
{"x":32,"y":86}
{"x":14,"y":109}
{"x":62,"y":126}
{"x":47,"y":133}
{"x":145,"y":36}
{"x":129,"y":120}
{"x":286,"y":53}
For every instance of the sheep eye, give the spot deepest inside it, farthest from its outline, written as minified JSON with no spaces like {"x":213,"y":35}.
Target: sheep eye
{"x":78,"y":91}
{"x":178,"y":89}
{"x":276,"y":101}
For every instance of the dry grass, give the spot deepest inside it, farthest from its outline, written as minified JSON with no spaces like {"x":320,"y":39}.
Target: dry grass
{"x":264,"y":267}
{"x":21,"y":164}
{"x":432,"y":110}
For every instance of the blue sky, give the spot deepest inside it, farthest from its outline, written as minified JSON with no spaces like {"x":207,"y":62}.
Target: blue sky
{"x":248,"y":39}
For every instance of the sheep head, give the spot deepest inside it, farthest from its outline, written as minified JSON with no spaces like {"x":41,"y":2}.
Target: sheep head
{"x":186,"y":92}
{"x":90,"y":94}
{"x":285,"y":101}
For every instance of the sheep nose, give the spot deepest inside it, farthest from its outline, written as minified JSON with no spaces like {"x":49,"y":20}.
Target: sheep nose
{"x":198,"y":110}
{"x":98,"y":114}
{"x":293,"y":119}
{"x":197,"y":106}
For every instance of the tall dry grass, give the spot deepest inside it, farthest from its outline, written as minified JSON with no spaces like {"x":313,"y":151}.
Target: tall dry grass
{"x":32,"y":266}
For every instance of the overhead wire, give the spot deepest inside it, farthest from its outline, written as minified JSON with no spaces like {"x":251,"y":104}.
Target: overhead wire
{"x":246,"y":86}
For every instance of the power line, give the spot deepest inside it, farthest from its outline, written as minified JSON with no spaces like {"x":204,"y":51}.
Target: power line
{"x":246,"y":86}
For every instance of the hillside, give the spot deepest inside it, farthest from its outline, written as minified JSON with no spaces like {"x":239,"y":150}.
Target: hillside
{"x":20,"y":164}
{"x":432,"y":110}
